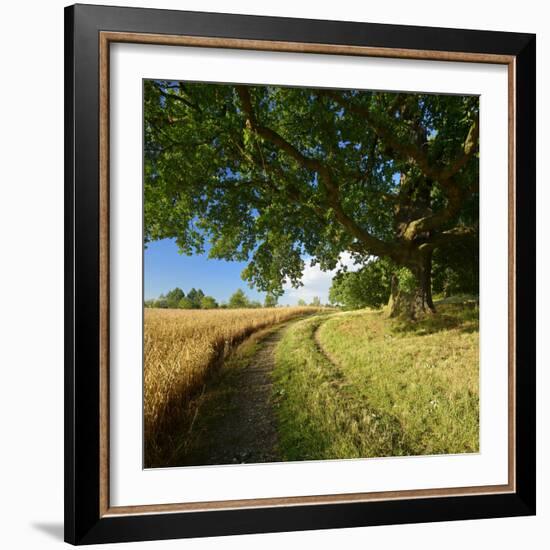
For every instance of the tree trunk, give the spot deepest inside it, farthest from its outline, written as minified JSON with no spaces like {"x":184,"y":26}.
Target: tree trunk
{"x":417,"y":302}
{"x":427,"y":284}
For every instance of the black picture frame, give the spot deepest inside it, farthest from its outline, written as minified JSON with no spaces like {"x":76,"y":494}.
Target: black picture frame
{"x":84,"y":524}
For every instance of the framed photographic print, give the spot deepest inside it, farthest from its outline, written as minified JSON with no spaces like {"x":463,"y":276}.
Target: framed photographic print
{"x":300,"y":274}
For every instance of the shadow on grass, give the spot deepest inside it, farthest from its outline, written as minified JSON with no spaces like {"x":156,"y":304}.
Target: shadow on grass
{"x":449,"y":316}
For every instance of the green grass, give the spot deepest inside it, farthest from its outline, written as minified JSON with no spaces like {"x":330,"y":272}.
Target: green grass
{"x":358,"y":384}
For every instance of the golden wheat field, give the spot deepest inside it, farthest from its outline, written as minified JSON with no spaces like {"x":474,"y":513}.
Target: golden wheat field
{"x":180,"y":347}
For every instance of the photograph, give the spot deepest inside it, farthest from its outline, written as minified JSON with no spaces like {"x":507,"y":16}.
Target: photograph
{"x":310,"y":273}
{"x":299,"y":273}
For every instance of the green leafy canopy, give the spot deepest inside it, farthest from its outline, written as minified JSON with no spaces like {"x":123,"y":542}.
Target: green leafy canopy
{"x":269,"y":175}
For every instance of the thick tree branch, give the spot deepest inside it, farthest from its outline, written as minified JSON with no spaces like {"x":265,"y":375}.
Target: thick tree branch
{"x":455,"y":201}
{"x":371,"y":244}
{"x":450,"y":236}
{"x":179,"y":98}
{"x":469,"y":148}
{"x":456,"y":195}
{"x":271,"y":135}
{"x":407,"y":151}
{"x":411,"y":151}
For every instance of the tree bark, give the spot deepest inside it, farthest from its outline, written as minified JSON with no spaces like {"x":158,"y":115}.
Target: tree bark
{"x":427,"y":286}
{"x":417,"y":303}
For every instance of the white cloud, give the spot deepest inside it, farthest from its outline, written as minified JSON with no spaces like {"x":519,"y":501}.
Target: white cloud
{"x":316,"y":282}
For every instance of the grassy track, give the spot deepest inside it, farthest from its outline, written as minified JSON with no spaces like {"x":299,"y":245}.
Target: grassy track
{"x":360,"y":385}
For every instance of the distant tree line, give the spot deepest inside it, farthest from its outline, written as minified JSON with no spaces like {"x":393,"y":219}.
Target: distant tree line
{"x":197,"y":299}
{"x":315,"y":302}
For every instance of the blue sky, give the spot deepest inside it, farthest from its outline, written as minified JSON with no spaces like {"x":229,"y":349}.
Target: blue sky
{"x":165,"y":269}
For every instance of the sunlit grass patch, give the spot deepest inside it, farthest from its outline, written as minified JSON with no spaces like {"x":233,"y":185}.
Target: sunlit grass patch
{"x":372,"y":386}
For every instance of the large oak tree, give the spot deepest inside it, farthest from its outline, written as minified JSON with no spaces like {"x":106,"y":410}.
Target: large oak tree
{"x":270,"y":175}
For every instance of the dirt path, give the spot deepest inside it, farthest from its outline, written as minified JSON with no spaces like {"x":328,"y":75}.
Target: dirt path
{"x":235,"y":421}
